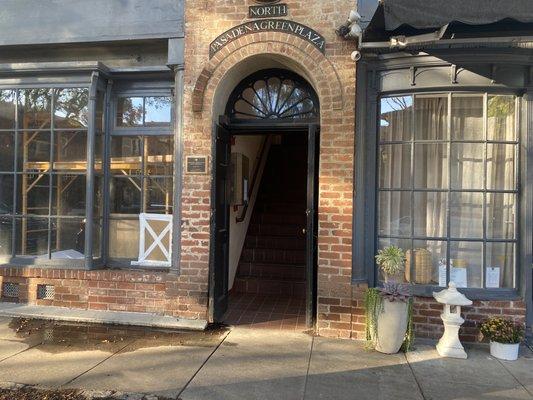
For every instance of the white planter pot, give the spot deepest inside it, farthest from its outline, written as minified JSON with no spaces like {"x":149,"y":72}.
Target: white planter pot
{"x":504,"y":351}
{"x":392,"y":326}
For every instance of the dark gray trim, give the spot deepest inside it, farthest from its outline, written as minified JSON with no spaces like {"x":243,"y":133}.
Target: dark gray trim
{"x":179,"y":85}
{"x":360,"y":271}
{"x":89,"y":197}
{"x":106,"y":171}
{"x":432,"y":74}
{"x":527,"y":205}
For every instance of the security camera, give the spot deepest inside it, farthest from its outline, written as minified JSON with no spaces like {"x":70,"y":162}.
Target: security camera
{"x":356,"y":55}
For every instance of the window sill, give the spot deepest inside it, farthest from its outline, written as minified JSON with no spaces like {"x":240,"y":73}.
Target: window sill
{"x":471,"y":293}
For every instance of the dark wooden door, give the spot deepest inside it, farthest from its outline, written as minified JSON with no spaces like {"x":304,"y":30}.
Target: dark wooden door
{"x":313,"y":147}
{"x":219,"y":255}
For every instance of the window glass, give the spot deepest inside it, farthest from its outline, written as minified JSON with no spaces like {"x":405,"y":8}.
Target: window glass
{"x":431,"y":165}
{"x":449,"y":198}
{"x":467,"y":117}
{"x":396,"y":120}
{"x":32,"y":239}
{"x":148,"y":112}
{"x":467,"y":167}
{"x":501,"y":159}
{"x":130,"y":111}
{"x":431,"y":118}
{"x":68,"y":240}
{"x":158,"y":111}
{"x":7,"y":185}
{"x":71,"y":108}
{"x":142,"y":167}
{"x":501,"y":118}
{"x":43,"y":164}
{"x":7,"y":109}
{"x":126,"y":195}
{"x":6,"y":235}
{"x":390,"y":157}
{"x":35,"y":108}
{"x":7,"y":151}
{"x":499,"y":271}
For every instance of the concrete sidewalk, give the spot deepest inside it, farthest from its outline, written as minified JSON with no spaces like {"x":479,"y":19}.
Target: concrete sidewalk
{"x":244,"y":364}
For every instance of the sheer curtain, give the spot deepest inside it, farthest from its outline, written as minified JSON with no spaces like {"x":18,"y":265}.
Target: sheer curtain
{"x":419,"y":183}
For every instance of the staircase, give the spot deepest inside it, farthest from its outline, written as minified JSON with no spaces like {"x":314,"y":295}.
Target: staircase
{"x":273,"y":258}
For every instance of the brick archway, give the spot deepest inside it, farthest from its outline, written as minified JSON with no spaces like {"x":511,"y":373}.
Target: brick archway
{"x":319,"y":69}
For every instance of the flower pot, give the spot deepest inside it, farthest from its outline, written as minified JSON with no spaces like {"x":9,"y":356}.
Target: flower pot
{"x":504,"y":351}
{"x":392,"y":326}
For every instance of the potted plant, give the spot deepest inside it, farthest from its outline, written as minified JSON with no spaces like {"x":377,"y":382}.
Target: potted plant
{"x":389,"y":308}
{"x":391,"y":260}
{"x":505,"y":337}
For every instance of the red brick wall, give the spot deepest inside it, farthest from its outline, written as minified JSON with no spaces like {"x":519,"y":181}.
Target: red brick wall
{"x":347,"y":319}
{"x":333,"y":77}
{"x":134,"y":291}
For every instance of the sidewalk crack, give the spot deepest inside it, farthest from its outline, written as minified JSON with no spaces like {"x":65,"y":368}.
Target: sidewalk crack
{"x":99,"y":363}
{"x":414,"y":377}
{"x":308,"y":366}
{"x":514,"y":377}
{"x":201,"y":366}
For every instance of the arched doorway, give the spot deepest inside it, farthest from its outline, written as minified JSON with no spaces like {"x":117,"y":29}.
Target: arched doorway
{"x":274,"y":201}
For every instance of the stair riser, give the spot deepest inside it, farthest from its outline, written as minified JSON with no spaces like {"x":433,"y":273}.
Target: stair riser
{"x":275,"y":230}
{"x":269,"y":287}
{"x":272,"y":271}
{"x":282,"y":243}
{"x":273,"y":256}
{"x":275,"y":219}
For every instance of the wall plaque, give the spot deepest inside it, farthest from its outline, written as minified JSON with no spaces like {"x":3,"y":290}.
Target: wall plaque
{"x":196,"y":165}
{"x":265,"y":25}
{"x":276,"y":10}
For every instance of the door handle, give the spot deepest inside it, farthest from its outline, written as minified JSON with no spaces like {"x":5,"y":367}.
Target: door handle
{"x":304,"y":231}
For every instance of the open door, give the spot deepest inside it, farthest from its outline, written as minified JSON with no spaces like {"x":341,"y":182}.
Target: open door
{"x":220,"y":211}
{"x":313,"y":147}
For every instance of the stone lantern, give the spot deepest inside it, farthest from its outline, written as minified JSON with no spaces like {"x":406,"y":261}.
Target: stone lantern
{"x":449,"y":344}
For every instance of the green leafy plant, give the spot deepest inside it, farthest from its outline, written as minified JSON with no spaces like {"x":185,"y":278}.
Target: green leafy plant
{"x":502,"y":330}
{"x":391,"y":260}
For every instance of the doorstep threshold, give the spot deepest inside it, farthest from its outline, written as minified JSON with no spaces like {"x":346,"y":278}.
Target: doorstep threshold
{"x":50,"y":313}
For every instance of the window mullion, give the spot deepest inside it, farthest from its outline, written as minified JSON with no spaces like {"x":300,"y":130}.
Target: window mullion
{"x":485,"y":186}
{"x":89,"y":195}
{"x":448,"y":203}
{"x":15,"y":180}
{"x":50,"y":168}
{"x":412,"y":272}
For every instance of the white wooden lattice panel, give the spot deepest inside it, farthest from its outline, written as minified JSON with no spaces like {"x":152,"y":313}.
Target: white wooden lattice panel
{"x":155,"y":240}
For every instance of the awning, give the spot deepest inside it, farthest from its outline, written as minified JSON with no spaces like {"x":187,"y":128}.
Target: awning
{"x":424,"y":14}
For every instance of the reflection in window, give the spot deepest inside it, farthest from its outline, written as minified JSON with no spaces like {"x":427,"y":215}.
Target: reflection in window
{"x":142,"y":170}
{"x":448,"y":198}
{"x":144,"y":111}
{"x":43,"y":164}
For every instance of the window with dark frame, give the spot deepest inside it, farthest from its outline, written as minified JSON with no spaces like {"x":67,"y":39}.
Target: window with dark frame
{"x":447,"y":187}
{"x":141,"y":168}
{"x":43,"y":168}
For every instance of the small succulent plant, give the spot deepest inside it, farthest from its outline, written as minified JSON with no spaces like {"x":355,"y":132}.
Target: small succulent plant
{"x":391,"y":260}
{"x":393,"y":291}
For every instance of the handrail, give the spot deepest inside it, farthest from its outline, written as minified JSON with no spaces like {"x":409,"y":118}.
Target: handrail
{"x":260,"y":160}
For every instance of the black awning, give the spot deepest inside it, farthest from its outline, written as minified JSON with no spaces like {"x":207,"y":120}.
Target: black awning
{"x":423,"y":14}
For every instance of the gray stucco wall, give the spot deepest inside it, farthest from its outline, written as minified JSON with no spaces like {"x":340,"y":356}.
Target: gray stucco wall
{"x":25,"y":22}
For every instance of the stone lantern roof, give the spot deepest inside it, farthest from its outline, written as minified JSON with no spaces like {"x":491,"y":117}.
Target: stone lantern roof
{"x":452,"y":296}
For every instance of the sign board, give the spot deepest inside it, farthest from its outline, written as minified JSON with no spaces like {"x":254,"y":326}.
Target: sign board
{"x":196,"y":165}
{"x":275,"y":10}
{"x":266,"y":25}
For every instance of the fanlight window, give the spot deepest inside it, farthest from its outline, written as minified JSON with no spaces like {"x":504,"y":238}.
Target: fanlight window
{"x":273,"y":94}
